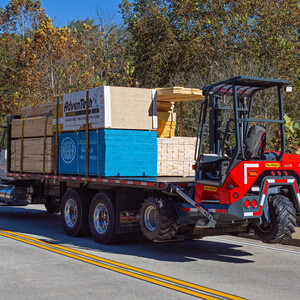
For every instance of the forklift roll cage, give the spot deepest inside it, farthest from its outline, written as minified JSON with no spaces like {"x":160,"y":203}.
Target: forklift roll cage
{"x":239,"y":88}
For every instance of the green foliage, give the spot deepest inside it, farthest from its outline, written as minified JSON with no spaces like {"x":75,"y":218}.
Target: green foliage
{"x":292,"y":135}
{"x":39,"y":61}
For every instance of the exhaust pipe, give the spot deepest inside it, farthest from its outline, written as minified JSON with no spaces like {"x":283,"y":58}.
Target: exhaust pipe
{"x":13,"y":195}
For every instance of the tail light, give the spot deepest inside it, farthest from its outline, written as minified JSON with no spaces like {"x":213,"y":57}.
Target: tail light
{"x":247,"y":203}
{"x":253,"y":203}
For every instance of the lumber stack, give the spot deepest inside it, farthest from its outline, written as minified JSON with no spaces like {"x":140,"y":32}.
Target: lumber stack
{"x":176,"y":156}
{"x":33,"y":155}
{"x":165,"y":107}
{"x":32,"y":144}
{"x":106,"y":131}
{"x":166,"y":124}
{"x":106,"y":107}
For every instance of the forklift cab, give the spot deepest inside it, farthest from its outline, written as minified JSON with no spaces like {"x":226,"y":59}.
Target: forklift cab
{"x":234,"y":135}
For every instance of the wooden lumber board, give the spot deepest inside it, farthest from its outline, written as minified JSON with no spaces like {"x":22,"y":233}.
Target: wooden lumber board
{"x":33,"y":146}
{"x":177,"y":94}
{"x":33,"y":127}
{"x":176,"y":156}
{"x":37,"y":110}
{"x":131,"y":108}
{"x":165,"y":106}
{"x":166,"y":116}
{"x":166,"y":128}
{"x":33,"y":155}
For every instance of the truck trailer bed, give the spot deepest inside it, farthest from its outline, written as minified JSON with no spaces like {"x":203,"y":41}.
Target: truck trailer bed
{"x":154,"y":182}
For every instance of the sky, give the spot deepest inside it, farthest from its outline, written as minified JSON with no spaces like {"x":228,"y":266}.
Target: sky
{"x":62,"y":11}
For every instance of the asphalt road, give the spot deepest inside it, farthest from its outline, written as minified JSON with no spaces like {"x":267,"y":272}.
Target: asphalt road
{"x":38,"y":261}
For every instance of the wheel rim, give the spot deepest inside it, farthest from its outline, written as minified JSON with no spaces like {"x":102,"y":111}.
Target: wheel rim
{"x":71,"y":213}
{"x":101,"y":218}
{"x":151,"y":218}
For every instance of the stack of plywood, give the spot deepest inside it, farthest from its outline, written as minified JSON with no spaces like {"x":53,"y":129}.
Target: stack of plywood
{"x":32,"y":144}
{"x":176,"y":156}
{"x":108,"y":107}
{"x":33,"y":155}
{"x":107,"y":131}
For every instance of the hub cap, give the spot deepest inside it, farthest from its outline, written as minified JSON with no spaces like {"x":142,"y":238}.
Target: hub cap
{"x":151,"y":218}
{"x":71,"y":213}
{"x":101,"y":218}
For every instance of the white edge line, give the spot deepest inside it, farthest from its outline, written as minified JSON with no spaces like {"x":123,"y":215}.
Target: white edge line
{"x":254,"y":245}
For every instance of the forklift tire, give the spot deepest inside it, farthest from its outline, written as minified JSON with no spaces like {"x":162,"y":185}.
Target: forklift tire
{"x":158,"y":219}
{"x":51,"y":206}
{"x":102,"y":219}
{"x":283,"y":221}
{"x":74,"y":213}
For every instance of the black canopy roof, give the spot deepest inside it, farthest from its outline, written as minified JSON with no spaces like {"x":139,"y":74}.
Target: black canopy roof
{"x":246,"y":86}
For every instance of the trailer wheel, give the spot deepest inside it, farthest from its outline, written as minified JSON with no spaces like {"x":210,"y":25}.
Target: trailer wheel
{"x":74,"y":213}
{"x":52,"y":206}
{"x":102,"y":219}
{"x":158,"y":219}
{"x":283,"y":221}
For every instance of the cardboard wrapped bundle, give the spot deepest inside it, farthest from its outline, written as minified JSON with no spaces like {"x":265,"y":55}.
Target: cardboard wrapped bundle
{"x":176,"y":156}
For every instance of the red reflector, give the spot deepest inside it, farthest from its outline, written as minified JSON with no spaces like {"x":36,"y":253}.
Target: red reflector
{"x":272,"y":173}
{"x":285,"y":173}
{"x":253,"y":203}
{"x":278,"y":173}
{"x":236,"y":195}
{"x":247,"y":203}
{"x":185,"y":209}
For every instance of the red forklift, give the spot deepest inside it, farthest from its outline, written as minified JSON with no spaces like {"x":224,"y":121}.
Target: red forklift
{"x":241,"y":182}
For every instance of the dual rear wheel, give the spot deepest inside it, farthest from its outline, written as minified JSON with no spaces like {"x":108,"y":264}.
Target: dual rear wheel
{"x":81,"y":216}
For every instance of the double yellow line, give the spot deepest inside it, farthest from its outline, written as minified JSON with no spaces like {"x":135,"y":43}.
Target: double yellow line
{"x":148,"y":276}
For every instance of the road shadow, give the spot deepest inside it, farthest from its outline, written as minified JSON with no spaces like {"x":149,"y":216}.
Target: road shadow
{"x":36,"y":221}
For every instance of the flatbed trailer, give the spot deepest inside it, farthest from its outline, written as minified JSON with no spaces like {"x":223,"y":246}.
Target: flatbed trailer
{"x":236,"y":188}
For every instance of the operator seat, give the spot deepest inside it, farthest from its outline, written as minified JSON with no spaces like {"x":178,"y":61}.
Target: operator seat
{"x":255,"y":142}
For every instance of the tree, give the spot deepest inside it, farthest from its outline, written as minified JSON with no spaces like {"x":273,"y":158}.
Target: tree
{"x":195,"y":43}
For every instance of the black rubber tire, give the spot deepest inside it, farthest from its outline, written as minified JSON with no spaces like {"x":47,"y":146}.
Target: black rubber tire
{"x":81,"y":227}
{"x":51,"y":206}
{"x":108,"y":235}
{"x":283,"y":221}
{"x":166,"y":227}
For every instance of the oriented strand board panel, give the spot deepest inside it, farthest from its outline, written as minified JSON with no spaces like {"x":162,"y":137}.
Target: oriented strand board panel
{"x":131,"y":108}
{"x":176,"y":156}
{"x":112,"y":152}
{"x":107,"y":107}
{"x":175,"y":94}
{"x":33,"y":127}
{"x":33,"y":149}
{"x":37,"y":110}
